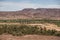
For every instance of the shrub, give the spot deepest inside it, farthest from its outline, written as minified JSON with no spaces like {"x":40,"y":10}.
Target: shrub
{"x":24,"y":30}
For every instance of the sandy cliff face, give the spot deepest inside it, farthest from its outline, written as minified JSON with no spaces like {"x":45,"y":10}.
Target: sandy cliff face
{"x":30,"y":13}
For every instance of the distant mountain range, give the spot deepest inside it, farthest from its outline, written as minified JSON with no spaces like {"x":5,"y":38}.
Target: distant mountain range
{"x":30,"y":13}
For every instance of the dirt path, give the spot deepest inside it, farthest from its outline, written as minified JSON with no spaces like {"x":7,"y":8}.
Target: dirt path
{"x":28,"y":37}
{"x":47,"y":25}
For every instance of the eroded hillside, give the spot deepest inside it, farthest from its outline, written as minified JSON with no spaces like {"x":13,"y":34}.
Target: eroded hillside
{"x":30,"y":13}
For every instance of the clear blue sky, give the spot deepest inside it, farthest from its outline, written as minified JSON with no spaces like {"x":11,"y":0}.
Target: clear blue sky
{"x":13,"y":5}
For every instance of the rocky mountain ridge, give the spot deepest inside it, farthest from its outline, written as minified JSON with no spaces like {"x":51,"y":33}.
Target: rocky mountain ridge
{"x":30,"y":13}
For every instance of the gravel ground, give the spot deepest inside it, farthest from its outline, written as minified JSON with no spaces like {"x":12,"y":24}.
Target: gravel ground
{"x":28,"y":37}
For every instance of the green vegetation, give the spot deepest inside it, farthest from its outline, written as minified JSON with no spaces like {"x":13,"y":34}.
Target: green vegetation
{"x":30,"y":21}
{"x":26,"y":30}
{"x":18,"y":30}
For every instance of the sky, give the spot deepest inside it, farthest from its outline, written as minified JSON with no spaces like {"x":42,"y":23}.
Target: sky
{"x":14,"y":5}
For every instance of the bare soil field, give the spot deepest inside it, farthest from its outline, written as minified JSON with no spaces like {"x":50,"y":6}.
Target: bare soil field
{"x":28,"y":37}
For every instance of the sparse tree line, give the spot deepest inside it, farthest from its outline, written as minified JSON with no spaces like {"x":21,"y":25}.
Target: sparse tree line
{"x":26,"y":30}
{"x":30,"y":21}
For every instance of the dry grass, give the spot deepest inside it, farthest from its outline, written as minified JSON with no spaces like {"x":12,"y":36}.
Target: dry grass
{"x":47,"y":25}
